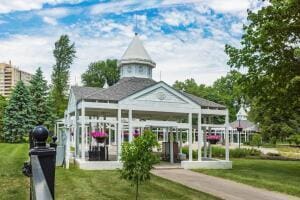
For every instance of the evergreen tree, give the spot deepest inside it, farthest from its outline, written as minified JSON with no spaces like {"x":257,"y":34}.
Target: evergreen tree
{"x":3,"y":104}
{"x":41,"y":106}
{"x":64,"y":54}
{"x":18,"y":114}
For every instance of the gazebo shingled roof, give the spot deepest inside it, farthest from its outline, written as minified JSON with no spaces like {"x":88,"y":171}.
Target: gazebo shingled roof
{"x":128,"y":86}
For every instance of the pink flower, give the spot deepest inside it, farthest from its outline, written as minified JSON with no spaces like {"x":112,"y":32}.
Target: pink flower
{"x":98,"y":134}
{"x":213,"y":137}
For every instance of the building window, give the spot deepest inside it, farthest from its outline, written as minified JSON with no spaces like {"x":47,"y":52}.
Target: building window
{"x":141,"y":69}
{"x":129,"y":69}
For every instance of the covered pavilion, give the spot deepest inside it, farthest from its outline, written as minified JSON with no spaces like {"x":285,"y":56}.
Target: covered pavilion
{"x":135,"y":103}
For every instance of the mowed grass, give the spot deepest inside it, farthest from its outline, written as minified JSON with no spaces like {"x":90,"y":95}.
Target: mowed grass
{"x":276,"y":175}
{"x":79,"y":184}
{"x":13,"y":184}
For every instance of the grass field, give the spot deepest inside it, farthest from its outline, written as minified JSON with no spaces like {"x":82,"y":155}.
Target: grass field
{"x":79,"y":184}
{"x":281,"y":176}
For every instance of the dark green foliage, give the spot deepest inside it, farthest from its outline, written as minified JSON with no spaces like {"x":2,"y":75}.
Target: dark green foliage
{"x":225,"y":90}
{"x":18,"y":119}
{"x":294,"y":139}
{"x":99,"y":72}
{"x":219,"y":152}
{"x":256,"y":140}
{"x":3,"y":104}
{"x":64,"y":54}
{"x":41,"y":106}
{"x":270,"y":52}
{"x":138,"y":158}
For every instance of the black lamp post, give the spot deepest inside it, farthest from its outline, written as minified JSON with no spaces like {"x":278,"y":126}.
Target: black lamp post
{"x":239,"y":129}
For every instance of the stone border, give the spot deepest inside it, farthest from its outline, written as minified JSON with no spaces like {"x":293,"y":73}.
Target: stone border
{"x":213,"y":164}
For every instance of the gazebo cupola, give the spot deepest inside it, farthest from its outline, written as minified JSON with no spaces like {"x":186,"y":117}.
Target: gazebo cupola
{"x":241,"y":115}
{"x":136,"y":62}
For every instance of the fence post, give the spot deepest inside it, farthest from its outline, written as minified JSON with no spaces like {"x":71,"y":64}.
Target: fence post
{"x":46,"y":155}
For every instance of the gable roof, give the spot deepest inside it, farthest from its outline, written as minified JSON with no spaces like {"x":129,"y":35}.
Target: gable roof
{"x":136,"y":53}
{"x":128,"y":86}
{"x":245,"y":124}
{"x":203,"y":102}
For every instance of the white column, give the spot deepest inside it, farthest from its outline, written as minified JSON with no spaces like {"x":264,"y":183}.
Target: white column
{"x":171,"y":146}
{"x":75,"y":133}
{"x":190,"y":138}
{"x":205,"y":142}
{"x":130,"y":125}
{"x":180,"y":141}
{"x":194,"y":135}
{"x":109,"y":134}
{"x":82,"y":131}
{"x":119,"y":133}
{"x":200,"y":137}
{"x":226,"y":136}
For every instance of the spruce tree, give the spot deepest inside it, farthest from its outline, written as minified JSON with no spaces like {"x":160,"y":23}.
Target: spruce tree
{"x":41,"y":108}
{"x":18,"y":114}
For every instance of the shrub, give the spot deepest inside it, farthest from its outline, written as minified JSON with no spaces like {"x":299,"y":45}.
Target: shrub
{"x":273,"y":140}
{"x":219,"y":152}
{"x":294,"y":139}
{"x":256,"y":140}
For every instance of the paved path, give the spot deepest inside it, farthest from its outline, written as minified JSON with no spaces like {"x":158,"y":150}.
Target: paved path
{"x":219,"y":187}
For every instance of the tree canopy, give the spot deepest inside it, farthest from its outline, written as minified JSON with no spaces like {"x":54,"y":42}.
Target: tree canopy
{"x":41,"y":108}
{"x":225,"y":90}
{"x":64,"y":54}
{"x":18,"y":118}
{"x":100,"y":72}
{"x":269,"y":51}
{"x":3,"y":104}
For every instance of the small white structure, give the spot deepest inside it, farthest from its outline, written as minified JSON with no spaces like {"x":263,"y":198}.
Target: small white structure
{"x":249,"y":128}
{"x":135,"y":103}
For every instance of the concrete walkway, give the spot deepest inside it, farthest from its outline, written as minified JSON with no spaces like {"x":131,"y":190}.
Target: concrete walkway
{"x":222,"y":188}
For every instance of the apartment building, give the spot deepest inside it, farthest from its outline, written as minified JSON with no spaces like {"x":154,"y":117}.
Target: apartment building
{"x":9,"y":76}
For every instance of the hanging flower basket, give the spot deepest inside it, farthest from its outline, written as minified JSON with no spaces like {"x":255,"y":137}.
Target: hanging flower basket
{"x":136,"y":134}
{"x":213,"y":139}
{"x":99,"y":136}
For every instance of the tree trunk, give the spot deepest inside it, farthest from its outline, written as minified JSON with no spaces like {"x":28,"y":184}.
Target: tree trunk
{"x":137,"y":189}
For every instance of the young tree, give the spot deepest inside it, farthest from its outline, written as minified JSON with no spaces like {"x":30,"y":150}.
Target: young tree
{"x":18,"y":119}
{"x":138,"y":159}
{"x":64,"y":54}
{"x":41,"y":107}
{"x":269,"y":50}
{"x":99,"y":72}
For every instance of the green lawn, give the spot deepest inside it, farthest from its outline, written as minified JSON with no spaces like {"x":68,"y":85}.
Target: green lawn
{"x":281,"y":176}
{"x":79,"y":184}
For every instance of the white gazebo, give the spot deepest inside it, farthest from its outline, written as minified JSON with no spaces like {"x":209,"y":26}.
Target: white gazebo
{"x":249,"y":128}
{"x":135,"y":103}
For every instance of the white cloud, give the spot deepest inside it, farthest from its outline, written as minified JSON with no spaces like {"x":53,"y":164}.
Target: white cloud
{"x":7,"y":6}
{"x":50,"y":20}
{"x":237,"y":28}
{"x":175,"y":18}
{"x":50,"y":16}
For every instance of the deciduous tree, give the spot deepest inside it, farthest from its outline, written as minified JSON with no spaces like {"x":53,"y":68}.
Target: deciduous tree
{"x":269,"y":51}
{"x":64,"y":54}
{"x":100,"y":72}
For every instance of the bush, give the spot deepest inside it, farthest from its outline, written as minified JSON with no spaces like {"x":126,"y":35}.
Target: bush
{"x":256,"y":140}
{"x":273,"y":140}
{"x":219,"y":152}
{"x":294,"y":139}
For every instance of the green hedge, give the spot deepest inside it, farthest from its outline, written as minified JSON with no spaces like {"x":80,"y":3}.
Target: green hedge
{"x":219,"y":152}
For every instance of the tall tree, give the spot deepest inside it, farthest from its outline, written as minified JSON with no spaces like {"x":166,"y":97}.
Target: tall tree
{"x":225,"y":90}
{"x":3,"y":104}
{"x":64,"y":54}
{"x":18,"y":119}
{"x":41,"y":108}
{"x":100,"y":72}
{"x":269,"y":50}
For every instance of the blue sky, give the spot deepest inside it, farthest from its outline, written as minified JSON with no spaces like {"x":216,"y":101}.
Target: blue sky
{"x":185,"y":38}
